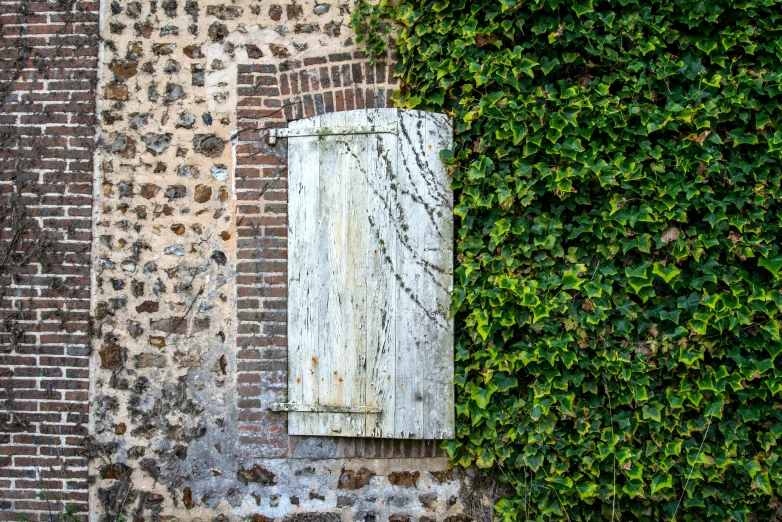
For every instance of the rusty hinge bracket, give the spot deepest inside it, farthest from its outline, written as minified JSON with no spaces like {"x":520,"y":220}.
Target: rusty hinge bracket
{"x":324,"y":408}
{"x":329,"y":131}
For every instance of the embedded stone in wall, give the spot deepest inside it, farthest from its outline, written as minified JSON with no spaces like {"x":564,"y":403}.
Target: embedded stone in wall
{"x":209,"y":145}
{"x":257,"y":474}
{"x":350,"y":479}
{"x":157,"y":143}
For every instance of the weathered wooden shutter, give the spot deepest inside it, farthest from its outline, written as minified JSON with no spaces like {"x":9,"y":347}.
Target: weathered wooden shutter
{"x":370,"y":268}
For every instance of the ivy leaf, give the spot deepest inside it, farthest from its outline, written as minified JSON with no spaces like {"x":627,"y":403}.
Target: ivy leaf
{"x":667,"y":273}
{"x":504,"y":382}
{"x":762,"y":482}
{"x":439,"y":5}
{"x":772,"y":264}
{"x":660,"y":482}
{"x":450,"y":446}
{"x":749,"y":414}
{"x":482,"y":396}
{"x":651,"y":412}
{"x":582,"y":8}
{"x":587,"y":491}
{"x":526,"y":65}
{"x":571,"y":281}
{"x":485,"y":459}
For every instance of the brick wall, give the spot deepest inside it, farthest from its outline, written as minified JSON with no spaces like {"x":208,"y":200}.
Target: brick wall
{"x":270,"y":96}
{"x":48,"y":74}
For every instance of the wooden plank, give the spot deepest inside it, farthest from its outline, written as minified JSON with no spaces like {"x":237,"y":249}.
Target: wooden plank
{"x":342,"y":299}
{"x":350,"y":363}
{"x":333,"y":338}
{"x":381,"y":282}
{"x":358,"y":242}
{"x":412,"y":325}
{"x":439,"y":410}
{"x":303,"y":278}
{"x":424,"y":278}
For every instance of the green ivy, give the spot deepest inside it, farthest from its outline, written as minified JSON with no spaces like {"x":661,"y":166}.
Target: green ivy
{"x":617,"y":168}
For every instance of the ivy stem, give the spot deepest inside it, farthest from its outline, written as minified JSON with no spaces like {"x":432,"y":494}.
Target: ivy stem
{"x":611,"y":414}
{"x":684,"y":489}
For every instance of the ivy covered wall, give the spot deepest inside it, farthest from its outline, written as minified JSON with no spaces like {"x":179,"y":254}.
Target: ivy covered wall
{"x":617,"y":167}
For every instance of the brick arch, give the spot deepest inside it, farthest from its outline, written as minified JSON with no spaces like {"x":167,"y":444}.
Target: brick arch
{"x":269,"y":97}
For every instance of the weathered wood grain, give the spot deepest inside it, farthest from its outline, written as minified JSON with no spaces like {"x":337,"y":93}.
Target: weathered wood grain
{"x":438,"y":384}
{"x":381,"y":284}
{"x":303,"y":277}
{"x":370,"y":338}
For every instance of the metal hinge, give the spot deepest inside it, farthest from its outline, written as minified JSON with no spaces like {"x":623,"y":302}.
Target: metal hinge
{"x":329,"y":131}
{"x":325,"y":408}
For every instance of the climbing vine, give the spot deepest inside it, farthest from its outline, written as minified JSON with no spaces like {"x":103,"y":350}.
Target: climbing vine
{"x":617,"y":166}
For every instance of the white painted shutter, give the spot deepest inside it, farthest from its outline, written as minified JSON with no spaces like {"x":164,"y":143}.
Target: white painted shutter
{"x":370,"y":270}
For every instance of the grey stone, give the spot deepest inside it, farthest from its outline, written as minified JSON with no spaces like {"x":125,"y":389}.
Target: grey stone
{"x":428,"y":500}
{"x":175,"y":250}
{"x":224,"y":12}
{"x":186,"y":120}
{"x":187,"y":171}
{"x":150,"y":360}
{"x":123,"y":145}
{"x":191,"y":8}
{"x":220,"y":172}
{"x":138,"y":120}
{"x":134,"y":9}
{"x":169,"y":6}
{"x":398,"y":501}
{"x":157,"y":143}
{"x":174,"y":92}
{"x":219,"y":258}
{"x":175,"y":192}
{"x":253,"y":51}
{"x":169,"y":30}
{"x":218,"y":32}
{"x":135,"y":330}
{"x":333,"y":29}
{"x":346,"y":501}
{"x":321,"y":9}
{"x":146,"y":403}
{"x":306,"y":28}
{"x":125,"y":189}
{"x":172,"y":67}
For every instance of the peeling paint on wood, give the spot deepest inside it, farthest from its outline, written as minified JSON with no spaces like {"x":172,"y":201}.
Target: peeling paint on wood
{"x":370,"y":276}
